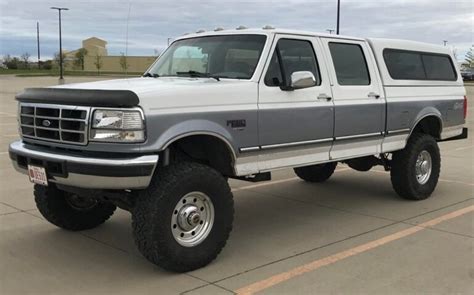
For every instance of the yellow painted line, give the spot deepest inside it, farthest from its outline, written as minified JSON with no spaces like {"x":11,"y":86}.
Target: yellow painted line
{"x":298,"y":271}
{"x":275,"y":182}
{"x":440,"y":179}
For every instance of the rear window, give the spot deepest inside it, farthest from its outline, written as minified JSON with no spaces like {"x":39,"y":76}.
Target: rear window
{"x":414,"y":65}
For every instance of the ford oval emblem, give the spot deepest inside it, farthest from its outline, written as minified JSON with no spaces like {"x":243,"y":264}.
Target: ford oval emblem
{"x":46,"y":123}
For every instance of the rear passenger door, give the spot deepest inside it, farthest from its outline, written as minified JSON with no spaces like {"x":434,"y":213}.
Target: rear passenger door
{"x":295,"y":126}
{"x":359,"y":120}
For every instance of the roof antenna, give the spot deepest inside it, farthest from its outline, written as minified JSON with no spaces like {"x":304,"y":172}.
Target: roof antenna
{"x":126,"y":38}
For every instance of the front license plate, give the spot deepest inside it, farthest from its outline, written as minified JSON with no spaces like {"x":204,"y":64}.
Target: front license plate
{"x":37,"y":175}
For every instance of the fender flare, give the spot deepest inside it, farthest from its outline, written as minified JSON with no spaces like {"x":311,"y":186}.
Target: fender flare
{"x":196,"y":127}
{"x":425,"y":113}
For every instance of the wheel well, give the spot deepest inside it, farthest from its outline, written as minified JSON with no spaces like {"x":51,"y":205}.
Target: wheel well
{"x":206,"y":149}
{"x":429,"y":125}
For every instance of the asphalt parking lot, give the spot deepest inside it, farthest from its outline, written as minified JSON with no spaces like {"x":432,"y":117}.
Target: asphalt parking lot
{"x":352,"y":234}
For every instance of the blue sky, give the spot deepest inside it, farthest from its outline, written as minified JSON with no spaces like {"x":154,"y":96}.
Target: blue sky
{"x":151,"y":23}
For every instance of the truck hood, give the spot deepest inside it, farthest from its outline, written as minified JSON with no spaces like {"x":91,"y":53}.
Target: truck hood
{"x":168,"y":92}
{"x":139,"y":85}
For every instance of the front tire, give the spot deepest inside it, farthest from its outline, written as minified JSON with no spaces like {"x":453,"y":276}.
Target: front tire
{"x":183,"y":219}
{"x":316,"y":173}
{"x":70,"y":211}
{"x":415,"y":169}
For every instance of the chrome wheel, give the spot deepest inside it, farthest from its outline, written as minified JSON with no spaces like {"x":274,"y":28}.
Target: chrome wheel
{"x":423,"y":167}
{"x":192,"y":219}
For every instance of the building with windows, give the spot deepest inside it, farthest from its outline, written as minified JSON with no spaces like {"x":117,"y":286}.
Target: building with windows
{"x":97,"y":54}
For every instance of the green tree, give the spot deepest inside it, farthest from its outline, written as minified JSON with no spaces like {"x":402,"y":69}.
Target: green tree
{"x":79,"y":58}
{"x":123,"y":62}
{"x":98,"y":63}
{"x":11,"y":62}
{"x":47,"y":65}
{"x":57,"y":60}
{"x":470,"y":58}
{"x":25,"y":57}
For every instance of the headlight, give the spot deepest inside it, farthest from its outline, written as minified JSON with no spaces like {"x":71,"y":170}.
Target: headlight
{"x":117,"y":126}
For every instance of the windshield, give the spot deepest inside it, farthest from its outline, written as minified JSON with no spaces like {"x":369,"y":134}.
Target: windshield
{"x":226,"y":56}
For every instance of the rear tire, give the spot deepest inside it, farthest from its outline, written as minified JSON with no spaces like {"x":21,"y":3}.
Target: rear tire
{"x":170,"y":217}
{"x":316,"y":173}
{"x":415,"y":169}
{"x":69,"y":211}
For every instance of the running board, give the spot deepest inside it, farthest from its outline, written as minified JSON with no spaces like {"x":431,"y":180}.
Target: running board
{"x":266,"y":176}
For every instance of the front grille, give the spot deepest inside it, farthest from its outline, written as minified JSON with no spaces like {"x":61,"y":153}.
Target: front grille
{"x":58,"y":123}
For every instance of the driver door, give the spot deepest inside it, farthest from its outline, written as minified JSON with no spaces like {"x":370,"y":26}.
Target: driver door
{"x":295,"y":126}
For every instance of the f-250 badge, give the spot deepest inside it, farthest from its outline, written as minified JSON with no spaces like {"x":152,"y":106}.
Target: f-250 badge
{"x":237,"y":124}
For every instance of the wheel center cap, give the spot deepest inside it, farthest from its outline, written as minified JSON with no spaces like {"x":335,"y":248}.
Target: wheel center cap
{"x":189,"y":218}
{"x":424,"y":167}
{"x":194,"y":218}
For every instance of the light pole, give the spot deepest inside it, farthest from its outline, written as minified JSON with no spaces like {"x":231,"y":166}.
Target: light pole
{"x":61,"y":78}
{"x":330,"y":31}
{"x":38,"y":44}
{"x":445,"y":42}
{"x":338,"y":15}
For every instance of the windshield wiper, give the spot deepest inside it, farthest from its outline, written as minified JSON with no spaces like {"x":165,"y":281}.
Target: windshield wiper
{"x":151,"y":75}
{"x":198,"y":74}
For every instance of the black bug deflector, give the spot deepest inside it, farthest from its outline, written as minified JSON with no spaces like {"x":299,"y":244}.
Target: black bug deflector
{"x":79,"y":97}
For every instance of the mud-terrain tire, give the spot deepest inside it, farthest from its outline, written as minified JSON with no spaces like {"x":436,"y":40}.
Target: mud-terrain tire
{"x":415,"y":169}
{"x":68,"y":211}
{"x":161,"y":231}
{"x":316,"y":173}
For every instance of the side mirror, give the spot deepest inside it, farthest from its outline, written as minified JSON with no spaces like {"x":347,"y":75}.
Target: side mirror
{"x":302,"y":79}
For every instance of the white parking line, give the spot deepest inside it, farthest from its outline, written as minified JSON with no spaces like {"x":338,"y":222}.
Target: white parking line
{"x":275,"y":182}
{"x":264,"y":184}
{"x":463,"y":148}
{"x":7,"y":114}
{"x":337,"y":170}
{"x":440,"y":179}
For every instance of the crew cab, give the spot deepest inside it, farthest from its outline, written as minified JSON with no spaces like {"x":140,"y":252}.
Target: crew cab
{"x":234,"y":104}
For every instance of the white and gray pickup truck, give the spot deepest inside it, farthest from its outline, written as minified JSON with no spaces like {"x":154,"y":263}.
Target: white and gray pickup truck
{"x":234,"y":104}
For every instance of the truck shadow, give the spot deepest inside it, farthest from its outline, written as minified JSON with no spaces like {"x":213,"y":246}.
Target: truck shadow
{"x":271,"y":223}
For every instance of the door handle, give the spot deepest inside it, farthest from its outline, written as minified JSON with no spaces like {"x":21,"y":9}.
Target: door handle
{"x":373,"y":94}
{"x":324,"y":96}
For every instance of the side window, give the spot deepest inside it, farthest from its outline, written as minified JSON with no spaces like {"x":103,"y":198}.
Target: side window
{"x":414,"y":65}
{"x":291,"y":56}
{"x":439,"y":67}
{"x":273,"y":77}
{"x":404,"y":65}
{"x":349,"y":63}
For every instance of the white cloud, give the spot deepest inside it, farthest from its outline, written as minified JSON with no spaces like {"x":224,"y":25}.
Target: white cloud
{"x":152,"y":22}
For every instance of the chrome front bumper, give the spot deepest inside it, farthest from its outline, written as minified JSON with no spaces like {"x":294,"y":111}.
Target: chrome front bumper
{"x":77,"y":170}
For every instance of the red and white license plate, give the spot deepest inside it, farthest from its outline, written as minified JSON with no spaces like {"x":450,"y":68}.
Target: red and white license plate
{"x":37,"y":175}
